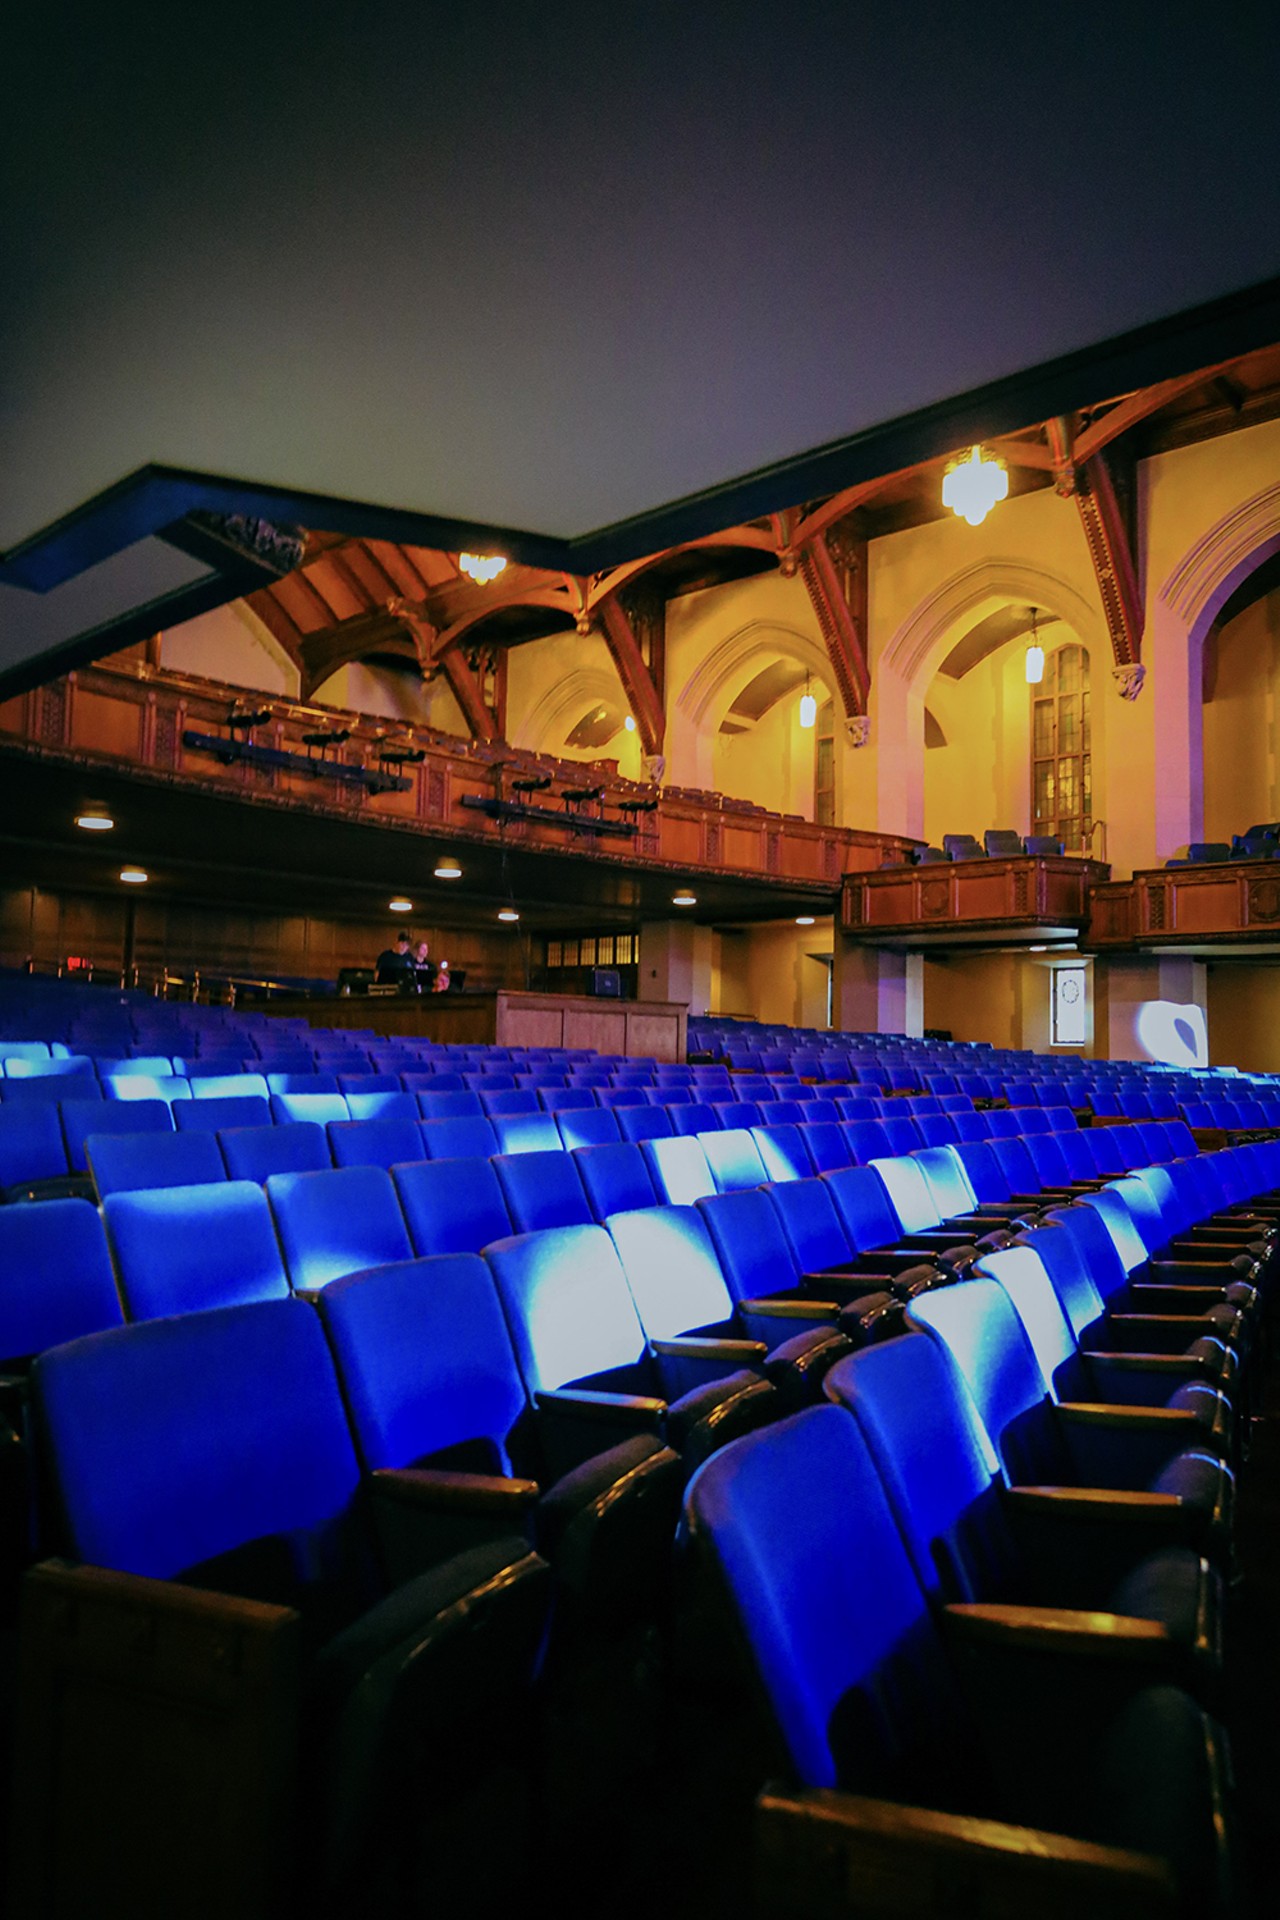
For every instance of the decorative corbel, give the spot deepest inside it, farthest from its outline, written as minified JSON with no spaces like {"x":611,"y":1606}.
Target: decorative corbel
{"x":833,"y":567}
{"x":858,"y":730}
{"x":1130,"y":680}
{"x":1113,"y":559}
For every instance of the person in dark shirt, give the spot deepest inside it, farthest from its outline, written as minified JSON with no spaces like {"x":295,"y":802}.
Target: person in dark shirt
{"x":424,"y":968}
{"x":395,"y":964}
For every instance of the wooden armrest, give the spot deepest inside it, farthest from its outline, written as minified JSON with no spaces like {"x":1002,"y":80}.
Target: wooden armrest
{"x":742,"y":1353}
{"x":797,"y":1308}
{"x":1082,"y":1413}
{"x":1060,"y":1630}
{"x":829,"y":1855}
{"x":1097,"y":1503}
{"x":439,"y":1490}
{"x":585,"y":1404}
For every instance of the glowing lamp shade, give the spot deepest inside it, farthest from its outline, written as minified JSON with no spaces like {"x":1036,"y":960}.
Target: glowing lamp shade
{"x":804,"y":919}
{"x":808,"y":710}
{"x":684,"y":898}
{"x":481,"y":567}
{"x":507,"y":913}
{"x":400,"y":905}
{"x":972,"y":486}
{"x":629,"y":724}
{"x":448,"y":869}
{"x":134,"y":876}
{"x":1035,"y":665}
{"x":95,"y":819}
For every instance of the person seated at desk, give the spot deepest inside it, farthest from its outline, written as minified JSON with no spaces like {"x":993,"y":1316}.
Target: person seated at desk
{"x":425,"y":970}
{"x":394,"y":965}
{"x":442,"y":978}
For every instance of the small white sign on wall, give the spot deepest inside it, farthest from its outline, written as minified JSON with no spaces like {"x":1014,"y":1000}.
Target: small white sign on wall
{"x":1068,"y":1007}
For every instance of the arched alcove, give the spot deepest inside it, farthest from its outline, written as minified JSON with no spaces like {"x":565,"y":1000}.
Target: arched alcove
{"x":734,"y":725}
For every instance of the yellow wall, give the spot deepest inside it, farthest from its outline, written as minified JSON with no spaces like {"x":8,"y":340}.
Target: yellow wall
{"x":1244,"y":1016}
{"x":784,"y":984}
{"x":1239,"y":722}
{"x":230,"y":643}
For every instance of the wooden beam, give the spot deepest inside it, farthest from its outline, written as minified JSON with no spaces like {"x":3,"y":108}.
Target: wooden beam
{"x":834,"y":571}
{"x":1140,"y":406}
{"x":469,"y":694}
{"x":1112,"y":555}
{"x":644,"y":696}
{"x":1061,"y":436}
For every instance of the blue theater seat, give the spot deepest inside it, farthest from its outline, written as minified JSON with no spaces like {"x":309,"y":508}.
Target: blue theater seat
{"x":952,"y":1509}
{"x":336,"y":1222}
{"x":466,"y":1137}
{"x":452,"y":1206}
{"x":295,"y":1146}
{"x":381,"y":1106}
{"x":33,"y":1154}
{"x":1037,"y":1442}
{"x":228,"y":1086}
{"x":186,"y":1249}
{"x":615,"y":1178}
{"x":734,"y":1159}
{"x":578,"y":1337}
{"x":680,"y":1291}
{"x":678,"y":1169}
{"x":509,"y":1100}
{"x":782,"y":1151}
{"x":231,"y":1110}
{"x":587,"y":1126}
{"x":862,"y":1697}
{"x":526,"y":1133}
{"x":158,"y":1472}
{"x":122,"y":1162}
{"x":542,"y":1190}
{"x":644,"y":1123}
{"x":374,"y":1143}
{"x":56,"y":1281}
{"x":320,"y":1107}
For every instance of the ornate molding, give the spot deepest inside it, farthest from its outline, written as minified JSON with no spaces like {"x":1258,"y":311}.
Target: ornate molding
{"x":1113,"y":561}
{"x":858,"y":730}
{"x":1206,"y":574}
{"x":280,"y":548}
{"x":1129,"y":680}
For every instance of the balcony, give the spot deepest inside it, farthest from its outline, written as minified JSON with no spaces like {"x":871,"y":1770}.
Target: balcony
{"x":1211,"y":906}
{"x":1029,"y":899}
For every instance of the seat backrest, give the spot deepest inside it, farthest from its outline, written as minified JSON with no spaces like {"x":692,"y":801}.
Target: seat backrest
{"x":121,"y":1162}
{"x":452,"y":1206}
{"x":451,"y":1104}
{"x":753,"y":1250}
{"x":935,"y":1462}
{"x":1002,"y":843}
{"x":678,"y":1169}
{"x":615,"y":1177}
{"x":783,"y":1153}
{"x":56,"y":1281}
{"x":570,"y":1311}
{"x":235,"y":1110}
{"x":812,"y":1226}
{"x":587,"y":1126}
{"x":158,"y":1469}
{"x":186,"y":1249}
{"x":733,"y":1158}
{"x":374,"y":1143}
{"x":469,"y":1136}
{"x":321,"y":1107}
{"x":694,"y":1116}
{"x":908,"y":1193}
{"x":643,"y":1123}
{"x":542,"y":1190}
{"x":980,"y":1328}
{"x":228,"y":1086}
{"x":426,"y":1365}
{"x":381,"y":1106}
{"x":336,"y":1222}
{"x":510,"y":1100}
{"x":1021,"y":1272}
{"x":296,"y":1146}
{"x":1061,"y":1251}
{"x":947,"y":1181}
{"x":863,"y":1206}
{"x":807,"y":1550}
{"x":670,"y":1262}
{"x":31,"y":1143}
{"x":525,"y":1133}
{"x":825,"y":1144}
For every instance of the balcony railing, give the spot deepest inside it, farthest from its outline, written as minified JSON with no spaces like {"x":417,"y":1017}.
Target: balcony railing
{"x":927,"y":905}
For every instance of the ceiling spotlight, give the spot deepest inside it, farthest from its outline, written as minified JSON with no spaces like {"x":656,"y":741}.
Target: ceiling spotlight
{"x":804,"y":919}
{"x":448,"y":868}
{"x":134,"y":876}
{"x":972,"y":485}
{"x":684,"y":898}
{"x":400,"y":905}
{"x":507,"y":913}
{"x":481,"y":567}
{"x":95,"y":818}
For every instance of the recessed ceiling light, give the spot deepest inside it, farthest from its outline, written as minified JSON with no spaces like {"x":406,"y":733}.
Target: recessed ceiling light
{"x":448,"y":869}
{"x":684,"y":898}
{"x":95,"y":819}
{"x":1037,"y":949}
{"x":399,"y":905}
{"x":507,"y":913}
{"x":804,"y":919}
{"x":134,"y":876}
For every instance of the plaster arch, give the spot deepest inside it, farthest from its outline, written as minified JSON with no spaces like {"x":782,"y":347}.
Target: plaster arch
{"x":906,"y":668}
{"x":550,"y":721}
{"x":719,"y":678}
{"x":1203,"y":580}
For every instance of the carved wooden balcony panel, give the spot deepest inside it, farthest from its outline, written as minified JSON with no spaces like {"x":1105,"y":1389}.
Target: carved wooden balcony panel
{"x":970,"y":896}
{"x":1187,"y":906}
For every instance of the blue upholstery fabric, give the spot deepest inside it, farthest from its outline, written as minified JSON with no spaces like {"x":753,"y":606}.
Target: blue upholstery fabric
{"x":587,"y":1126}
{"x":295,"y":1146}
{"x":121,"y":1162}
{"x":570,"y":1311}
{"x":425,"y":1360}
{"x":615,"y":1178}
{"x":336,"y":1222}
{"x":321,"y":1107}
{"x":31,"y":1143}
{"x":782,"y":1152}
{"x":230,"y":1110}
{"x":56,"y":1281}
{"x":542,"y":1190}
{"x":467,"y":1137}
{"x":186,"y":1249}
{"x":452,"y":1206}
{"x":734,"y":1159}
{"x":672,"y":1270}
{"x":678,"y":1169}
{"x":526,"y":1133}
{"x":864,"y":1209}
{"x":374,"y":1143}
